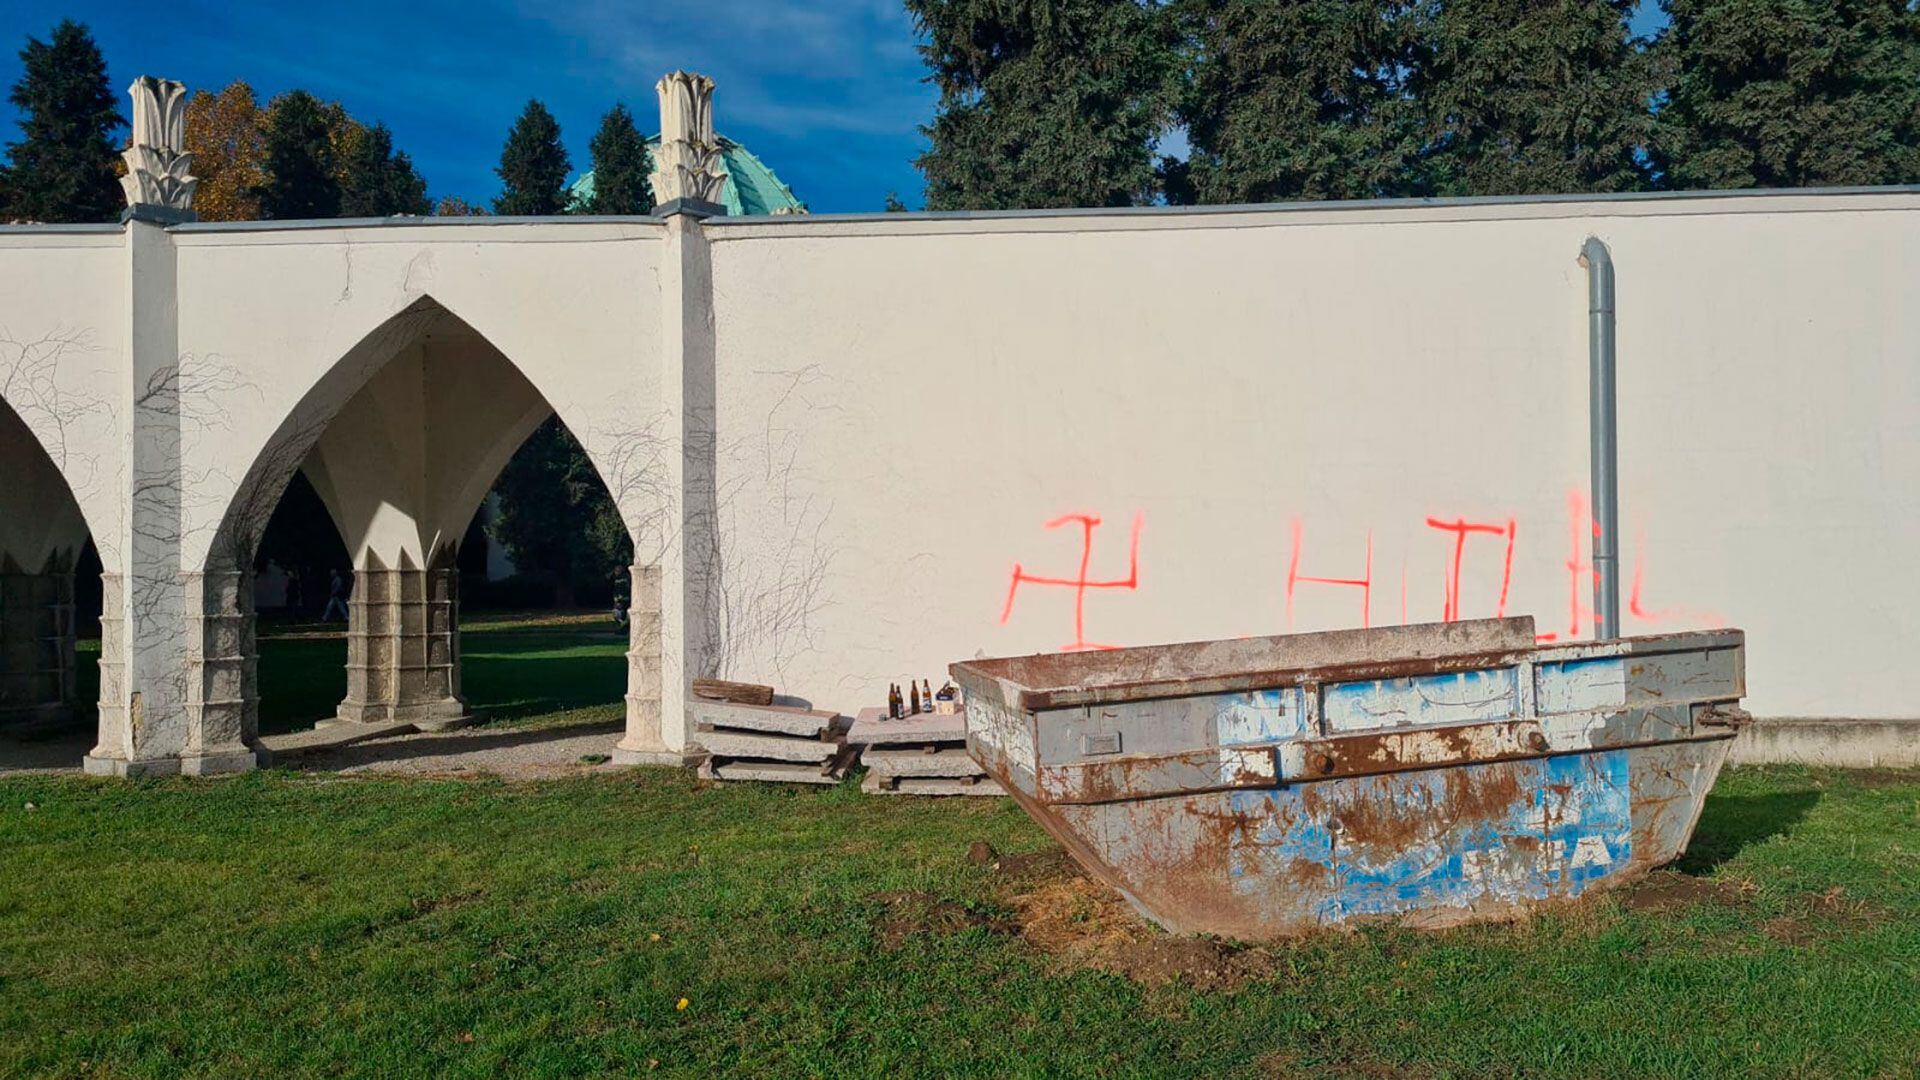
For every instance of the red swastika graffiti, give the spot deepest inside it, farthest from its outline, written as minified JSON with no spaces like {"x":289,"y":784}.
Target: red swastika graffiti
{"x":1082,"y":583}
{"x":1460,"y":528}
{"x":1363,"y":583}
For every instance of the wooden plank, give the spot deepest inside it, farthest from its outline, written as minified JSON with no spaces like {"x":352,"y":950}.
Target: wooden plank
{"x":740,"y":692}
{"x":779,"y":719}
{"x":950,"y":762}
{"x":772,"y":747}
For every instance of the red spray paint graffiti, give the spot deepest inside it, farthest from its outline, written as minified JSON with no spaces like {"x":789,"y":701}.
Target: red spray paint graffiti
{"x":1082,"y":583}
{"x":1461,"y":529}
{"x":1582,"y":533}
{"x":1364,"y":583}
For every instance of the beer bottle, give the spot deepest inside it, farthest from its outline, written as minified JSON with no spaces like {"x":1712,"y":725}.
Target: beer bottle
{"x":915,"y":687}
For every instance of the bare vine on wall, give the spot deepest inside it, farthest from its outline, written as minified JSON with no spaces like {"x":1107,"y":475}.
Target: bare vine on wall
{"x":754,"y":533}
{"x":768,"y":549}
{"x":30,"y":384}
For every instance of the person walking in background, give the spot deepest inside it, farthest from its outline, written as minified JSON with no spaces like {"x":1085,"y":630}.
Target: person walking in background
{"x":337,"y":590}
{"x":294,"y":601}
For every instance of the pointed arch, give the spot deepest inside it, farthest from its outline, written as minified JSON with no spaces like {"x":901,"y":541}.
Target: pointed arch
{"x":425,"y":319}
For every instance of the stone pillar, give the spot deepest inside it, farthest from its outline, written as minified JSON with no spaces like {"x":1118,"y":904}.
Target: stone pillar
{"x":403,"y":645}
{"x":36,"y":646}
{"x":643,"y":743}
{"x":222,"y":674}
{"x":114,"y":699}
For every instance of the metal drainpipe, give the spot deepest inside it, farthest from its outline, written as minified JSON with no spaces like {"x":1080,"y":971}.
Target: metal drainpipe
{"x":1603,"y":441}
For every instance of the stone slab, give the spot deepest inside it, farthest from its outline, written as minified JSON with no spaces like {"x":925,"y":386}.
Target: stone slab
{"x":872,"y":728}
{"x":776,"y":719}
{"x":951,"y":762}
{"x":768,"y":772}
{"x":732,"y":744}
{"x":928,"y":785}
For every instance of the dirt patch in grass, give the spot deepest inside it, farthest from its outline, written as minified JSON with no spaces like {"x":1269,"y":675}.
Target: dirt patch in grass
{"x":910,"y":912}
{"x":1670,"y":890}
{"x":1816,"y":916}
{"x":1883,"y":778}
{"x":1084,"y":925}
{"x":1288,"y":1065}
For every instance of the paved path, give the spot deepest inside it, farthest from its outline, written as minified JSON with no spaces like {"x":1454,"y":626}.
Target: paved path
{"x":513,"y":753}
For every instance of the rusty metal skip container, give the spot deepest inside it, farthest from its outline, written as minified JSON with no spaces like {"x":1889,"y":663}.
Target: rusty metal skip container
{"x":1435,"y":774}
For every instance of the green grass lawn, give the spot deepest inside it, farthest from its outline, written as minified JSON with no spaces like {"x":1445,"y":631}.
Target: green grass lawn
{"x":545,"y":670}
{"x":280,"y":924}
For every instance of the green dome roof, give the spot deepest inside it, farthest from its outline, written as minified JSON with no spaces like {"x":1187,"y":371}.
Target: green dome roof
{"x":751,"y":187}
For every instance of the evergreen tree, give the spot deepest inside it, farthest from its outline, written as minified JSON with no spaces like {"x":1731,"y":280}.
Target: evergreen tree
{"x":63,"y":167}
{"x":1051,"y":103}
{"x":1790,"y":93}
{"x":556,"y":519}
{"x":893,"y":204}
{"x":377,"y":182}
{"x":1520,"y":97}
{"x":620,"y":167}
{"x":1294,"y":100}
{"x":301,"y":175}
{"x":533,"y":166}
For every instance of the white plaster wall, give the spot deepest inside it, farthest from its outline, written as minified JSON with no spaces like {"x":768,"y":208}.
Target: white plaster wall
{"x":265,"y":313}
{"x":904,"y":403}
{"x":406,"y":462}
{"x":63,"y":360}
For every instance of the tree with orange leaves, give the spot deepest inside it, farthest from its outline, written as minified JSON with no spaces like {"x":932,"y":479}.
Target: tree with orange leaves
{"x":229,"y":156}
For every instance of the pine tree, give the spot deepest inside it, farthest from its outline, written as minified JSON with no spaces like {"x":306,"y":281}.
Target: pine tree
{"x":533,"y":166}
{"x":1790,"y":93}
{"x":620,"y":167}
{"x":63,"y":167}
{"x":556,"y":519}
{"x":229,"y":154}
{"x":1044,"y":104}
{"x":301,"y":178}
{"x":1294,"y":101}
{"x":375,"y":181}
{"x":1519,"y":97}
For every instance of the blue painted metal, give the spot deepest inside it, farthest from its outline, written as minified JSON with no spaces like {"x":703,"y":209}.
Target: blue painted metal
{"x":1321,"y":779}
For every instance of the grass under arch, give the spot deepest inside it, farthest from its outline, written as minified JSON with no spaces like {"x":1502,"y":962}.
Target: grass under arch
{"x":292,"y":924}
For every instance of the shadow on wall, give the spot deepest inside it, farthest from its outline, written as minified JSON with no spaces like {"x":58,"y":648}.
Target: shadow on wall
{"x":1729,"y":824}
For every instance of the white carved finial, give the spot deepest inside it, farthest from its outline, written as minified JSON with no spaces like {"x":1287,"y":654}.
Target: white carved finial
{"x":687,"y":165}
{"x":157,"y":159}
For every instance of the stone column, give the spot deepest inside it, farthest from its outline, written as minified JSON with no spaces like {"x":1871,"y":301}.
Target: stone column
{"x":36,"y":646}
{"x":222,"y":674}
{"x":403,"y":645}
{"x":643,"y":743}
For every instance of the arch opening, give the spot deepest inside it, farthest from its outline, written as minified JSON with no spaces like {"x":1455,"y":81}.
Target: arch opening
{"x":402,"y":448}
{"x":49,"y":593}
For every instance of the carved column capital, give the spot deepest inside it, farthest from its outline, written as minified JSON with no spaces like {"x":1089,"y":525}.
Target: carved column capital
{"x":687,"y":167}
{"x":158,"y":184}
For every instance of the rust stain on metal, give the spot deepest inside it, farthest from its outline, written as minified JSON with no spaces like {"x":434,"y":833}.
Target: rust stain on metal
{"x":1420,"y":806}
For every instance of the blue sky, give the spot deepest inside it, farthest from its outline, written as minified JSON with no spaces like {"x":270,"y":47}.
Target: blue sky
{"x":827,"y":92}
